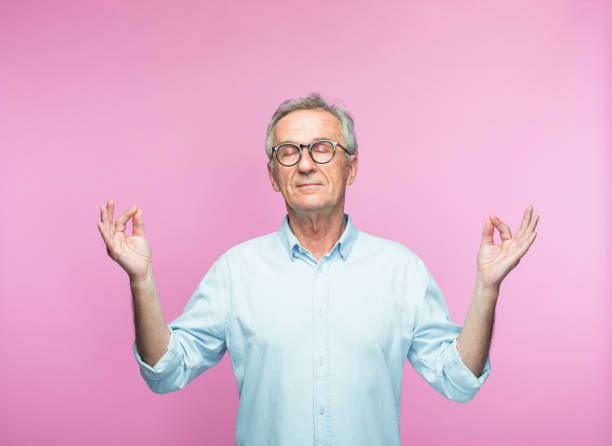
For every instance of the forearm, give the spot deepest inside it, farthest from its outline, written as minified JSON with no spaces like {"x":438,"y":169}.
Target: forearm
{"x":152,"y":334}
{"x":474,"y":340}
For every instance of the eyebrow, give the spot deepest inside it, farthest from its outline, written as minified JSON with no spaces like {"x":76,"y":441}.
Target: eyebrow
{"x":316,"y":138}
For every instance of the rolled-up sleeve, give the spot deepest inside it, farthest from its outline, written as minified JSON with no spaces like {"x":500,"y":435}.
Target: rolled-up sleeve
{"x":433,"y":352}
{"x":197,"y":336}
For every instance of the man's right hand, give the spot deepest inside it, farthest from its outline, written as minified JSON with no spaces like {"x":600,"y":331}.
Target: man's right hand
{"x":131,"y":252}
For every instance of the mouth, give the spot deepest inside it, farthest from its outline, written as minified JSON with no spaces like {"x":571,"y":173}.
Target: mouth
{"x":308,"y":184}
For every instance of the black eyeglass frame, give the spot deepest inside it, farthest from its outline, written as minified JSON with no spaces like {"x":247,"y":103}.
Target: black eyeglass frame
{"x":300,"y":146}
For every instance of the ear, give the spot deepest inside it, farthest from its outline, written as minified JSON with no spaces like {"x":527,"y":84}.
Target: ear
{"x":352,"y":169}
{"x":271,"y":172}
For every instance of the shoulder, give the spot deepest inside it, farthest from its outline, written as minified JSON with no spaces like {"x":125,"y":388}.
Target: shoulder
{"x":392,"y":253}
{"x":369,"y":244}
{"x":392,"y":264}
{"x":254,"y":247}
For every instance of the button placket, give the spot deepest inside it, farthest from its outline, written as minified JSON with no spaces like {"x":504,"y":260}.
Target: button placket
{"x":321,"y":388}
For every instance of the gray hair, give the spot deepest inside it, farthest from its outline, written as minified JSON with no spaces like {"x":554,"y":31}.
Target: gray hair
{"x":315,"y":102}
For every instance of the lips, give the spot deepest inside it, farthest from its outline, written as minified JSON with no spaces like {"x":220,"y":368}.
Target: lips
{"x":308,"y":184}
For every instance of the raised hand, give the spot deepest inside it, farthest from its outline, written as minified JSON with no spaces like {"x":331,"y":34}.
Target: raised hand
{"x":495,"y":261}
{"x":132,"y":252}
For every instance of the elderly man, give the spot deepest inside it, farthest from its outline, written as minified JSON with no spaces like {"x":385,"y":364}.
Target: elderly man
{"x":319,"y":317}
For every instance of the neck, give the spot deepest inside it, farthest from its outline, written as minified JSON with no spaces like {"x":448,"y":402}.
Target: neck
{"x":319,"y":232}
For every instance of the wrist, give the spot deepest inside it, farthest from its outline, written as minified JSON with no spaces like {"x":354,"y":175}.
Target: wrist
{"x":485,"y":290}
{"x":486,"y":286}
{"x":142,"y":279}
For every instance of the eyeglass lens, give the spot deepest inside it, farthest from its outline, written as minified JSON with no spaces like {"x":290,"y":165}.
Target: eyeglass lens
{"x":322,"y":152}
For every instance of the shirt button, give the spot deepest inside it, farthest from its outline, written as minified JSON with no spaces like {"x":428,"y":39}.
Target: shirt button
{"x":321,"y":410}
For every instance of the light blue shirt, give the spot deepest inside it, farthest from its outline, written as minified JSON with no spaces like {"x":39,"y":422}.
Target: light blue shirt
{"x":317,"y":348}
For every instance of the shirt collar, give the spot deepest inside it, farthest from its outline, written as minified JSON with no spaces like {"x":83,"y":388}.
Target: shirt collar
{"x":344,"y":244}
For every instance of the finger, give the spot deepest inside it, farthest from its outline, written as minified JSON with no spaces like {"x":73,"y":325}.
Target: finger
{"x":121,"y":221}
{"x":527,"y":244}
{"x":108,"y":215}
{"x":504,"y":230}
{"x":138,"y":223}
{"x":104,"y":217}
{"x":487,"y":233}
{"x":534,"y":223}
{"x":526,"y":219}
{"x":104,"y":234}
{"x":530,"y":229}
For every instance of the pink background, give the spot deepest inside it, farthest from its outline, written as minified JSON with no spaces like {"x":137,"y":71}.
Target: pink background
{"x":462,"y":109}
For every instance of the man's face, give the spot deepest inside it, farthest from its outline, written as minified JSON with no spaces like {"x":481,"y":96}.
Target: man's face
{"x":308,"y":186}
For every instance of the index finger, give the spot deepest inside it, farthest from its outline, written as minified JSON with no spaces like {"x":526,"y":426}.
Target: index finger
{"x":121,"y":221}
{"x":504,"y":230}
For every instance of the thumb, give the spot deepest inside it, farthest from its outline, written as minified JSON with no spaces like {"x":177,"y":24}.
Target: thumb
{"x":487,"y":232}
{"x":138,"y":223}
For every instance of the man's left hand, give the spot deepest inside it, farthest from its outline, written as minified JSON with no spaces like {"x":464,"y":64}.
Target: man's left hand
{"x":495,"y":261}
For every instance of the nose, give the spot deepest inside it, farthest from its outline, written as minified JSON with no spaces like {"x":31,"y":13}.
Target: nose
{"x":306,"y":163}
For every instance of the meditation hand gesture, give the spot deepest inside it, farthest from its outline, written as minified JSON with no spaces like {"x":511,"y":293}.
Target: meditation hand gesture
{"x":494,"y":261}
{"x":131,"y":252}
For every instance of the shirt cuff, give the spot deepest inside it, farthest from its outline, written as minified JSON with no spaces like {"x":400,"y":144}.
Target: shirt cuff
{"x":166,"y":364}
{"x":461,"y":376}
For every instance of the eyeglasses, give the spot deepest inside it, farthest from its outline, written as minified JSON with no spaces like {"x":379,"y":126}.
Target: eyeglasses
{"x":321,"y":152}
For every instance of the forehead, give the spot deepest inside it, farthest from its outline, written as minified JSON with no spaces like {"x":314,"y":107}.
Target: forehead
{"x":305,"y":126}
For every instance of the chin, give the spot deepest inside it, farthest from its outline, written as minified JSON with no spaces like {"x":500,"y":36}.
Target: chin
{"x":310,"y":205}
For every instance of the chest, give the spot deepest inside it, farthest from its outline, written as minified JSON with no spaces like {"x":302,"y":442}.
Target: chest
{"x":282,"y":315}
